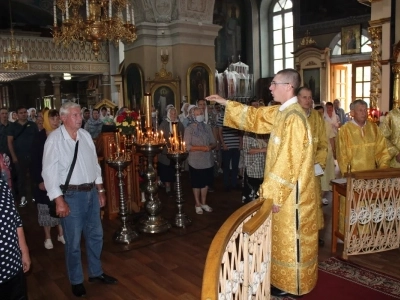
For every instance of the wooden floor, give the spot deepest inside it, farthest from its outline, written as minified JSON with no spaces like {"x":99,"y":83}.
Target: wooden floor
{"x":156,"y":266}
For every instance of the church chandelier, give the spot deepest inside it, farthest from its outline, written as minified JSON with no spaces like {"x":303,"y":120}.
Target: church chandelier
{"x":13,"y":57}
{"x":94,"y":21}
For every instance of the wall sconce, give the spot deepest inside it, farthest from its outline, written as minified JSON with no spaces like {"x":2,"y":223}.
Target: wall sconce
{"x":67,"y":76}
{"x":164,"y":56}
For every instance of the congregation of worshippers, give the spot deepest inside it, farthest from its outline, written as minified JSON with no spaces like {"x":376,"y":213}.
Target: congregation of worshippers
{"x":214,"y":149}
{"x":239,"y":157}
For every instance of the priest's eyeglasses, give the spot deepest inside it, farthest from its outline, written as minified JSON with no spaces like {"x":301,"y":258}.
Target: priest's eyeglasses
{"x":275,"y":83}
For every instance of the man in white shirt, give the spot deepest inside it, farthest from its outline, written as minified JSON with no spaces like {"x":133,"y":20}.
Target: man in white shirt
{"x":79,"y":206}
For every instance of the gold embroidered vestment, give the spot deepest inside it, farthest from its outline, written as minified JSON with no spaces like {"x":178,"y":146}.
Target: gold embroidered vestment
{"x":289,"y":182}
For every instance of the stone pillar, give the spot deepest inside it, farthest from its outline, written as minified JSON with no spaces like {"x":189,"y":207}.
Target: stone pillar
{"x":376,"y":67}
{"x":56,"y":80}
{"x":105,"y":86}
{"x":42,"y":87}
{"x":396,"y":85}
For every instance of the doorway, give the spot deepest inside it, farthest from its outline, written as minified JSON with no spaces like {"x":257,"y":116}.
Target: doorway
{"x":350,"y":82}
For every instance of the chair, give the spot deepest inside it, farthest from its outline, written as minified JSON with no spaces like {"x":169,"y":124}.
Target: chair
{"x":238,"y":261}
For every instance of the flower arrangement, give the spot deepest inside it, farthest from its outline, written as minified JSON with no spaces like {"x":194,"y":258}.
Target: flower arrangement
{"x":126,"y":122}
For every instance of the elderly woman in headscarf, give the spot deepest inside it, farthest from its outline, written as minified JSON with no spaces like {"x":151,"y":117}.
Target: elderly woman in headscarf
{"x":200,"y":142}
{"x":32,"y":114}
{"x":12,"y":116}
{"x":166,"y":168}
{"x":51,"y":121}
{"x":94,"y":124}
{"x":183,"y":117}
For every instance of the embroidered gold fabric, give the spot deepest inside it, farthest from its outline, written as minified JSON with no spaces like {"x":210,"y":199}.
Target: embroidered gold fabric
{"x":320,"y":150}
{"x":390,"y":129}
{"x":290,"y":182}
{"x":363,"y":147}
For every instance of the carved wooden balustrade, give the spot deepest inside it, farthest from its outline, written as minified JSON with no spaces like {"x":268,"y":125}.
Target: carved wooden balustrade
{"x":44,"y":56}
{"x":238,"y":261}
{"x":372,"y":218}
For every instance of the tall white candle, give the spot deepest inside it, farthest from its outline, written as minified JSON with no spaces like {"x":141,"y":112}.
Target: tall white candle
{"x":87,"y":9}
{"x":66,"y":10}
{"x":132,"y":16}
{"x":127,"y":13}
{"x":109,"y":9}
{"x":55,"y":13}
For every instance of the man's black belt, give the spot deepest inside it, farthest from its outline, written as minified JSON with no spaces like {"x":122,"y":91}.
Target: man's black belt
{"x":85,"y":187}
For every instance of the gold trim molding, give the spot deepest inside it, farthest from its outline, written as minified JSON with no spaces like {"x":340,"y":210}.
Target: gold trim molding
{"x":375,"y":32}
{"x":379,"y":22}
{"x":396,"y":85}
{"x":376,"y":66}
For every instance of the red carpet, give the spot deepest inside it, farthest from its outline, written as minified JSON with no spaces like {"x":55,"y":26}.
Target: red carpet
{"x":341,"y":280}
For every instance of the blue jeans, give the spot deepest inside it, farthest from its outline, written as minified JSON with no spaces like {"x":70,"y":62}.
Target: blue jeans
{"x":84,"y":217}
{"x":228,"y":156}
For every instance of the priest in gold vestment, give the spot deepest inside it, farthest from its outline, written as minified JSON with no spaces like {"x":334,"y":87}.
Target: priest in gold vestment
{"x":319,"y":142}
{"x":361,"y":146}
{"x":289,"y":182}
{"x":390,"y":129}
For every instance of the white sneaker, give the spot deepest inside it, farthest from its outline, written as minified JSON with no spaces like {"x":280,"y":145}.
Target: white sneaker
{"x":23,"y":202}
{"x":325,"y":201}
{"x":61,"y":239}
{"x":48,"y":244}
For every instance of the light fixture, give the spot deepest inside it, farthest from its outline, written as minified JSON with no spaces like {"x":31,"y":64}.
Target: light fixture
{"x":94,"y":21}
{"x":67,"y":76}
{"x":13,"y":56}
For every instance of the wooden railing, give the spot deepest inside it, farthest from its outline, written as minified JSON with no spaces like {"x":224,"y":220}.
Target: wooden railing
{"x":372,"y":216}
{"x":238,"y":261}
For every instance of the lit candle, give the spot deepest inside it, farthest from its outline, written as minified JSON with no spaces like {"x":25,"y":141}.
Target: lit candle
{"x":110,"y":149}
{"x":175,"y":130}
{"x":147,"y":107}
{"x":184,"y":147}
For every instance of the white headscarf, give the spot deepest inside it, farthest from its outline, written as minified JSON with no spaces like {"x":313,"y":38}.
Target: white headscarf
{"x":10,"y":118}
{"x":168,"y":117}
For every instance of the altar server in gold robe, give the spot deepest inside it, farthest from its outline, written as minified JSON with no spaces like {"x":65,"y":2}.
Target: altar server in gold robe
{"x":289,"y":182}
{"x":361,"y":146}
{"x":360,"y":143}
{"x":320,"y":145}
{"x":390,"y":129}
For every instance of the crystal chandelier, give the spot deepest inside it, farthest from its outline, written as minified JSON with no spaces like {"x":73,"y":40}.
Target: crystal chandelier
{"x":94,"y":21}
{"x":13,"y":57}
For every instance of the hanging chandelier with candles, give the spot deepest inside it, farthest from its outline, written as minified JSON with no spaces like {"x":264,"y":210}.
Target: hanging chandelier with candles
{"x":94,"y":21}
{"x":13,"y":57}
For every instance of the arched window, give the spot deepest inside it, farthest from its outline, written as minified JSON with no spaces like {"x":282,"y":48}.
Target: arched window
{"x":281,"y":18}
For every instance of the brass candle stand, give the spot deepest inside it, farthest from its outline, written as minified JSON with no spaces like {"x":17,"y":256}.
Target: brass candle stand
{"x":119,"y":161}
{"x":181,"y":219}
{"x":150,"y":144}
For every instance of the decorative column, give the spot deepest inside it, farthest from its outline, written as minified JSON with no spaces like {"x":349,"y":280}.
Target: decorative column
{"x":105,"y":86}
{"x":396,"y":85}
{"x":56,"y":80}
{"x":42,"y":86}
{"x":376,"y":67}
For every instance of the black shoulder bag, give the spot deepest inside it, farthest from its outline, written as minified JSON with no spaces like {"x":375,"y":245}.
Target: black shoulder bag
{"x":52,"y":205}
